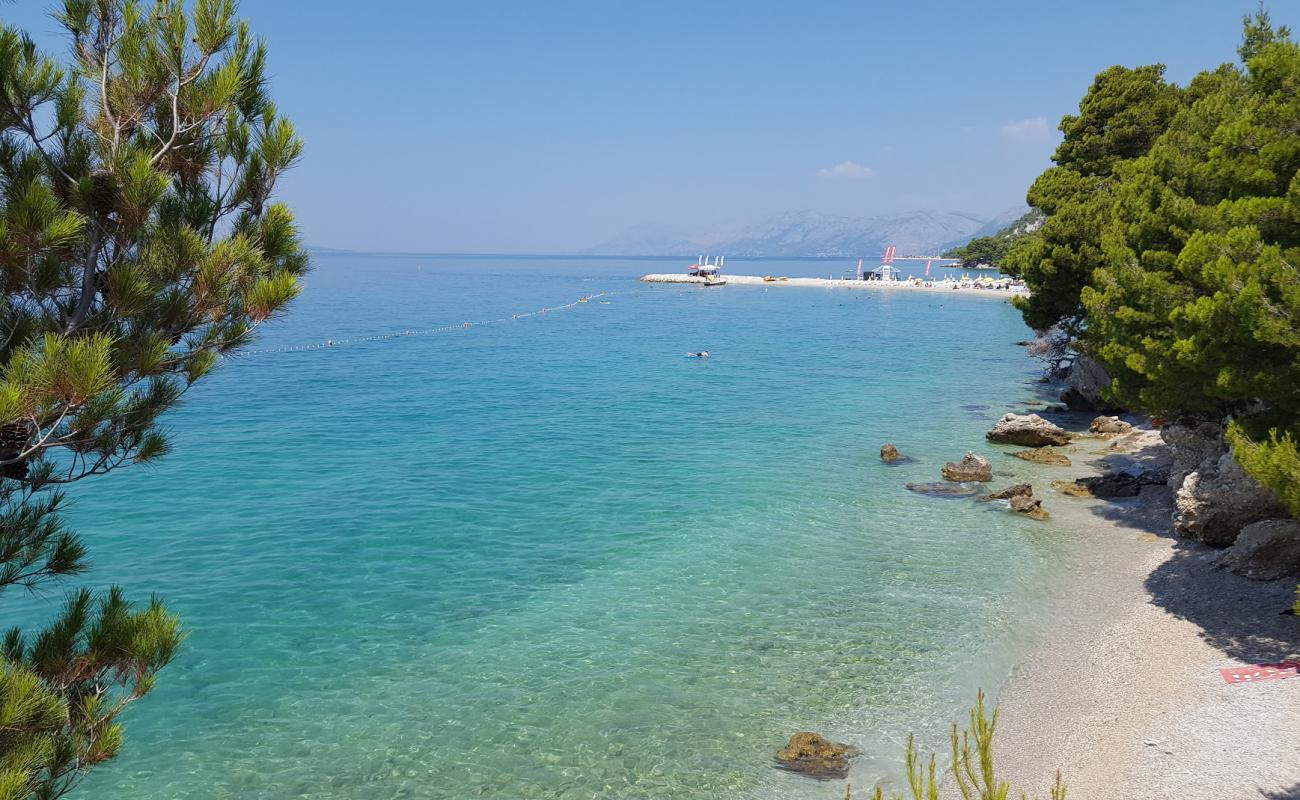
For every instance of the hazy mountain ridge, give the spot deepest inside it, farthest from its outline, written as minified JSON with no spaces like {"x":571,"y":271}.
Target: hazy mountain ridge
{"x":807,"y":233}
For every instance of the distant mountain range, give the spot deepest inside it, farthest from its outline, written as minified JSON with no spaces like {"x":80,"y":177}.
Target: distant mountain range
{"x":803,"y":234}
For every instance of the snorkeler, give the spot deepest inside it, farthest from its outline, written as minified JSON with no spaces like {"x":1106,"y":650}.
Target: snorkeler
{"x":701,"y":354}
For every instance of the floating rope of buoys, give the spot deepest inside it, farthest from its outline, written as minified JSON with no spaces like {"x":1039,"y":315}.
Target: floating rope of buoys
{"x":331,"y":343}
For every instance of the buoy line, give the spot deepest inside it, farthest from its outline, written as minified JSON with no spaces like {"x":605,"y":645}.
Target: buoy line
{"x":381,"y":337}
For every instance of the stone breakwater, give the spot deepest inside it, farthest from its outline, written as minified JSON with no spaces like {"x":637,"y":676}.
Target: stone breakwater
{"x":838,"y":283}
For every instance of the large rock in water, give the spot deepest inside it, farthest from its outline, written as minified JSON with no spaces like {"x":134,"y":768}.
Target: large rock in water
{"x":1029,"y":506}
{"x":1265,"y":550}
{"x":890,"y":453}
{"x":1027,"y":430}
{"x":1219,"y":499}
{"x":814,"y":755}
{"x":1084,"y":386}
{"x":1015,"y":490}
{"x":970,"y":468}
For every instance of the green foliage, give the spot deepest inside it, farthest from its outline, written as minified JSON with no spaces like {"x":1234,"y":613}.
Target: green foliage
{"x":993,"y":249}
{"x":1123,"y":113}
{"x":1274,"y":461}
{"x":972,"y":765}
{"x":1172,"y":242}
{"x":139,"y":242}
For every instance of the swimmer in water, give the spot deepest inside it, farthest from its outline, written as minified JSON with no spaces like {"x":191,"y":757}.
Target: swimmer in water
{"x":701,"y":354}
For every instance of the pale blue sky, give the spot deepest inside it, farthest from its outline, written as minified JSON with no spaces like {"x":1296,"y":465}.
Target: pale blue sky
{"x":492,"y":126}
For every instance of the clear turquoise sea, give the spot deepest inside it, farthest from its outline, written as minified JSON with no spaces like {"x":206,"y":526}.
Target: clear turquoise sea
{"x":553,"y":558}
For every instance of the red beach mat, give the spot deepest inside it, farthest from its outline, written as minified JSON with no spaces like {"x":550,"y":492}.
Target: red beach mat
{"x":1261,"y":672}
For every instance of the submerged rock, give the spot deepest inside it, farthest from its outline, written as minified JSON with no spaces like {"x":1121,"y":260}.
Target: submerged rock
{"x":1107,"y":427}
{"x":1028,"y":430}
{"x":943,"y":489}
{"x":1265,"y":550}
{"x":1029,"y":506}
{"x":1011,"y":491}
{"x":815,"y":756}
{"x":889,"y":453}
{"x":1072,"y":488}
{"x":970,"y":468}
{"x":1219,"y":499}
{"x":1044,"y":455}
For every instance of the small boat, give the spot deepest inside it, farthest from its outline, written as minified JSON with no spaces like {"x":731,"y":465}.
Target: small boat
{"x":710,"y":271}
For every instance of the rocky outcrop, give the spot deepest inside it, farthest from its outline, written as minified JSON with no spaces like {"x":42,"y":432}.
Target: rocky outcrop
{"x":1191,"y":443}
{"x":1027,"y":430}
{"x":1018,"y":490}
{"x":1029,"y":506}
{"x":1217,"y":500}
{"x":1109,"y":427}
{"x":1044,"y":455}
{"x":1085,"y":384}
{"x":1265,"y":550}
{"x":970,"y":468}
{"x":943,"y":489}
{"x":890,"y":454}
{"x":814,"y":755}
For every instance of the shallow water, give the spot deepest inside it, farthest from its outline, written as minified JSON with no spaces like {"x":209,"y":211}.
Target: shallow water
{"x":552,"y":557}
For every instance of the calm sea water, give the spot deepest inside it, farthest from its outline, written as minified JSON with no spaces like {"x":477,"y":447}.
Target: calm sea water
{"x":552,"y":557}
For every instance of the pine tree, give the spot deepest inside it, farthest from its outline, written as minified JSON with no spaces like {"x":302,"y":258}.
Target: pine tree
{"x":139,"y":243}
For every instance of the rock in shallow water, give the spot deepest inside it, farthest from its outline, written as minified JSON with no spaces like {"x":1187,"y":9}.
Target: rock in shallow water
{"x":1027,"y":430}
{"x":815,"y":756}
{"x":970,"y":468}
{"x":1044,"y":455}
{"x":943,"y":489}
{"x":1011,"y":491}
{"x":1265,"y":551}
{"x":889,"y":453}
{"x":1029,"y":506}
{"x":1072,"y":488}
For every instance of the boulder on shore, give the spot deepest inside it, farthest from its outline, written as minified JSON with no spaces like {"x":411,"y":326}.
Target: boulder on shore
{"x":815,"y":756}
{"x":1029,"y":506}
{"x":1265,"y":550}
{"x":1085,"y":383}
{"x":890,"y":453}
{"x":970,"y":468}
{"x":1016,"y":490}
{"x":1191,"y":443}
{"x":1044,"y":455}
{"x":1108,"y":427}
{"x":1219,"y":499}
{"x":1027,"y":430}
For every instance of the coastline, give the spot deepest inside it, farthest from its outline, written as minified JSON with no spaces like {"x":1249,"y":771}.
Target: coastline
{"x":1124,"y":695}
{"x":838,"y":283}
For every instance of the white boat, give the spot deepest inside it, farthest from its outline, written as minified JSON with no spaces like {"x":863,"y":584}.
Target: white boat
{"x":710,"y":271}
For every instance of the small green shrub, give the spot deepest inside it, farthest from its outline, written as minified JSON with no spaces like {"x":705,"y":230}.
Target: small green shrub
{"x":972,"y":765}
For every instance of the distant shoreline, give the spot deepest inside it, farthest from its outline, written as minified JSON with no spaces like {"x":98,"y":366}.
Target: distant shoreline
{"x":841,"y":283}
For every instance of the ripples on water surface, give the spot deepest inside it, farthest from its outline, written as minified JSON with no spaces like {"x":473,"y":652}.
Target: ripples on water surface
{"x":555,"y":559}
